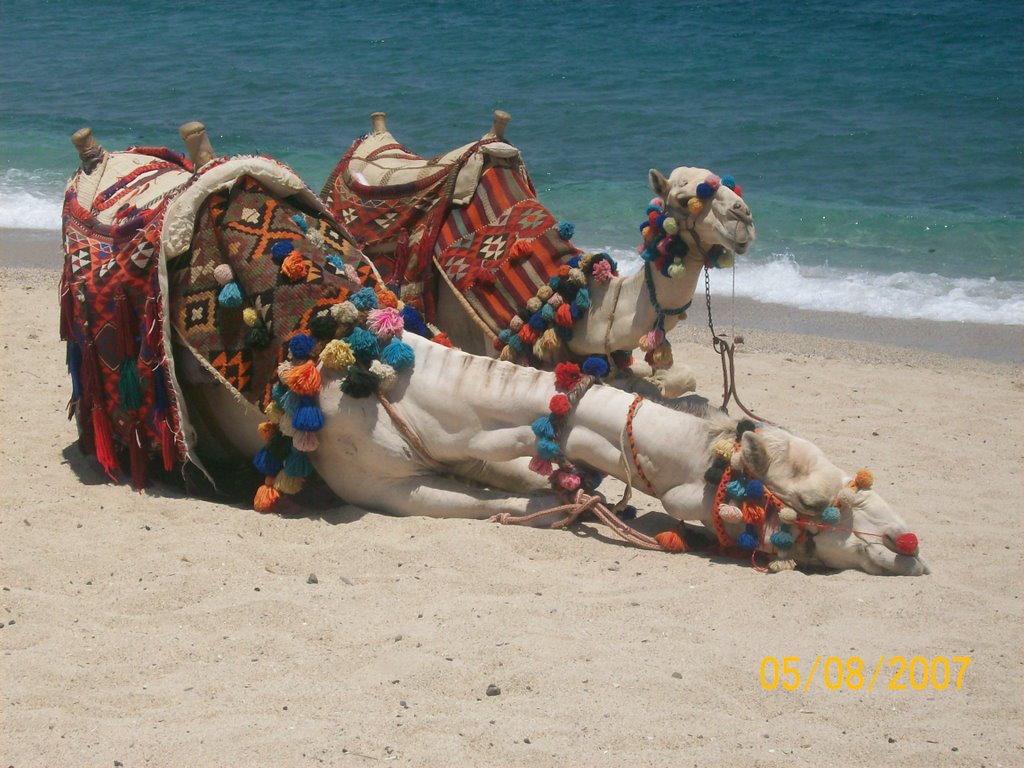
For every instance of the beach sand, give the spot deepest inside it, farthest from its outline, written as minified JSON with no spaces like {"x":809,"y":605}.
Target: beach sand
{"x":155,"y":629}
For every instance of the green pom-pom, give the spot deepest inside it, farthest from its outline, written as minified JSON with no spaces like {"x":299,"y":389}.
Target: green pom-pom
{"x":359,"y":382}
{"x":258,"y":337}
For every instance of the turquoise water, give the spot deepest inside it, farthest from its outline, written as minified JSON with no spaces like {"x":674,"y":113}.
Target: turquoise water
{"x":880,"y":146}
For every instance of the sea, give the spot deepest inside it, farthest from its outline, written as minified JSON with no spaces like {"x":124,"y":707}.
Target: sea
{"x":879,"y":144}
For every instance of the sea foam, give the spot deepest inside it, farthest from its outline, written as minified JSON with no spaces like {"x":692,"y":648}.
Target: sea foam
{"x":781,"y":279}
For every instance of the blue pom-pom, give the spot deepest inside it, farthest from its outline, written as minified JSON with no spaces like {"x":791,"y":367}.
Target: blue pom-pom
{"x":516,"y":343}
{"x":704,"y":191}
{"x":595,"y":365}
{"x":278,"y":390}
{"x":729,"y":181}
{"x":300,"y":222}
{"x":414,"y":322}
{"x":566,"y":230}
{"x":650,"y":253}
{"x":830,"y":515}
{"x":782,"y":540}
{"x":659,"y":222}
{"x":398,"y":355}
{"x":266,"y":463}
{"x":652,"y":208}
{"x":543,"y":427}
{"x":747,"y":539}
{"x":364,"y":299}
{"x":555,"y":283}
{"x":737,"y":489}
{"x":505,"y":335}
{"x":665,"y":264}
{"x":336,"y":263}
{"x":574,"y":311}
{"x":301,"y":346}
{"x":583,"y":298}
{"x":548,"y":313}
{"x":548,"y":449}
{"x":573,"y":262}
{"x":755,"y":490}
{"x":297,"y":464}
{"x":308,"y":416}
{"x":280,"y":250}
{"x":230,"y":296}
{"x":364,"y":344}
{"x":537,"y":321}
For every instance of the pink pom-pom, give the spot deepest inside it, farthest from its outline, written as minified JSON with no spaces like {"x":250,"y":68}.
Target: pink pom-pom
{"x":713,"y":181}
{"x":541,"y":466}
{"x":307,"y":442}
{"x":568,"y":481}
{"x":556,"y":300}
{"x":385,"y":323}
{"x":657,"y":201}
{"x":652,"y":340}
{"x":663,"y":246}
{"x":602,"y":272}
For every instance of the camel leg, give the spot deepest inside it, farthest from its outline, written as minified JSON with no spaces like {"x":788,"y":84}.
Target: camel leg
{"x":446,"y":497}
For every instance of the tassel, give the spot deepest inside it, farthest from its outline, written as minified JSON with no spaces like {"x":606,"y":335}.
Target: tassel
{"x":128,"y":385}
{"x":307,"y":442}
{"x":103,"y":441}
{"x":266,"y":496}
{"x":167,"y":448}
{"x":138,"y":456}
{"x":285,"y":483}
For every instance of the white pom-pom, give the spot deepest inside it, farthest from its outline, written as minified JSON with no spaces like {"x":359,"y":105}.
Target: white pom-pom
{"x":576,"y":277}
{"x":788,"y":515}
{"x":283,"y":369}
{"x":736,"y":462}
{"x":222,"y":274}
{"x":730,"y":514}
{"x":285,"y":425}
{"x":345,"y":312}
{"x":385,"y":373}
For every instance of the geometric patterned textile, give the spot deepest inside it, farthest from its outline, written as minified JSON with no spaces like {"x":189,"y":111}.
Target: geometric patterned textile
{"x":396,"y":214}
{"x":503,"y":246}
{"x":241,"y":228}
{"x":111,"y":306}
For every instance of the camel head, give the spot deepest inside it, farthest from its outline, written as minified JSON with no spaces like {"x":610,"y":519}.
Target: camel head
{"x":868,"y":534}
{"x":715,"y":216}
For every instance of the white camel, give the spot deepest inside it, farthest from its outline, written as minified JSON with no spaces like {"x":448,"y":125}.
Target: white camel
{"x":712,"y":221}
{"x":445,"y":435}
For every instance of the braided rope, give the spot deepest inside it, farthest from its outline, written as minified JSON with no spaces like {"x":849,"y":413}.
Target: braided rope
{"x":633,"y":408}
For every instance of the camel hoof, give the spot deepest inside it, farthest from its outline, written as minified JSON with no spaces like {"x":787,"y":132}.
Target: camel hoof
{"x":674,"y":382}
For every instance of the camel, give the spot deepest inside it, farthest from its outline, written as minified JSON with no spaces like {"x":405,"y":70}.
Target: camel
{"x":330,"y":381}
{"x":458,"y":221}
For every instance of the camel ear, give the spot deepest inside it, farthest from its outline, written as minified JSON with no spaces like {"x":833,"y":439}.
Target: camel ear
{"x":758,"y":452}
{"x":659,"y":184}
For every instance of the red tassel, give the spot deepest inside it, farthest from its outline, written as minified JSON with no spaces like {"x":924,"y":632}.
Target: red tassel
{"x":138,"y":456}
{"x":167,"y":447}
{"x":127,"y":326}
{"x":67,"y":312}
{"x":104,"y":442}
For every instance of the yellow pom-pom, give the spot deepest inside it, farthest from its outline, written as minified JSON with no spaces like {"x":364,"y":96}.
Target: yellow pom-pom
{"x":677,"y":270}
{"x":695,"y":205}
{"x":267,"y":430}
{"x":506,"y":354}
{"x":337,"y":355}
{"x":670,"y":225}
{"x":726,"y":260}
{"x":576,"y":277}
{"x":544,"y":293}
{"x":863,"y":479}
{"x":534,"y":304}
{"x":250,"y":316}
{"x":724,"y":448}
{"x":274,"y":412}
{"x":662,"y":356}
{"x":287,"y":484}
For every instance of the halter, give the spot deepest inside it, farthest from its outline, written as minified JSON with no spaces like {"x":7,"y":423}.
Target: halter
{"x":770,"y":526}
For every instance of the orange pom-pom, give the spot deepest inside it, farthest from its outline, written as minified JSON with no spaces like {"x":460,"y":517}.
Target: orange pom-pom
{"x":563,"y":271}
{"x":443,"y":340}
{"x":671,"y":541}
{"x":520,"y":250}
{"x":294,"y":266}
{"x":267,"y":430}
{"x":563,"y":316}
{"x":386,"y":298}
{"x":266,"y":496}
{"x":863,"y":480}
{"x":527,"y":334}
{"x":753,"y":513}
{"x":304,"y":379}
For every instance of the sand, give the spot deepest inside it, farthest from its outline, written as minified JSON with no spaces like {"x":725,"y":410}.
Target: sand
{"x":155,"y":629}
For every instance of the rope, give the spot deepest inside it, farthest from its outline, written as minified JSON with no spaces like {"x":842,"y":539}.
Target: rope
{"x":652,"y":294}
{"x":633,"y":408}
{"x":407,"y":432}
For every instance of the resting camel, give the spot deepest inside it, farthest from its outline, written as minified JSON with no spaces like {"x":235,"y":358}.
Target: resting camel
{"x":212,"y":306}
{"x":468,"y":225}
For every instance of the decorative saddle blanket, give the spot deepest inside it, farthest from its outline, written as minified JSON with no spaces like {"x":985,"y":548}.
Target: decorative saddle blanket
{"x":234,"y":260}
